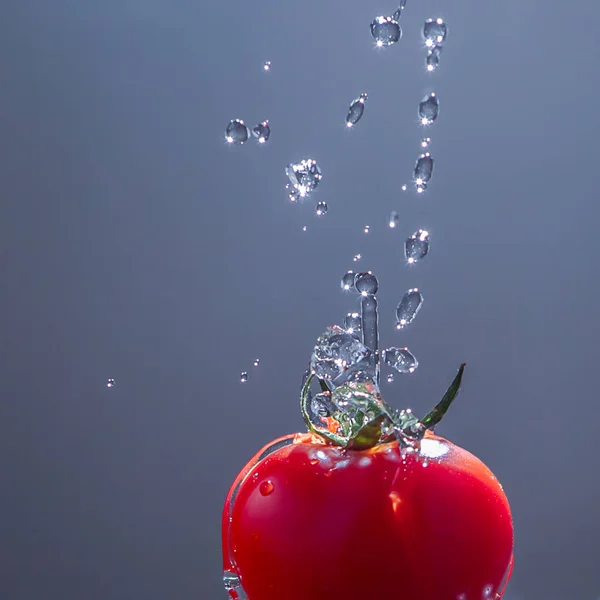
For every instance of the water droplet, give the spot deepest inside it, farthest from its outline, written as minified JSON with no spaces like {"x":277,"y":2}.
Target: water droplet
{"x":423,"y":170}
{"x":394,"y":218}
{"x":356,"y":257}
{"x":398,"y":12}
{"x":304,"y":176}
{"x":256,"y":362}
{"x":237,"y":132}
{"x":404,"y":187}
{"x":356,"y":110}
{"x":321,"y":209}
{"x":390,"y":378}
{"x":366,"y":284}
{"x":429,"y":109}
{"x":435,"y":32}
{"x":293,"y":193}
{"x":352,"y":323}
{"x":243,"y":377}
{"x":400,"y":359}
{"x":385,"y":31}
{"x":425,"y":463}
{"x":408,"y":308}
{"x":304,"y":228}
{"x":348,"y":281}
{"x":267,"y":65}
{"x":417,"y":246}
{"x":110,"y":383}
{"x":266,"y":488}
{"x":432,"y":61}
{"x":262,"y":132}
{"x":425,"y":142}
{"x":367,"y":229}
{"x":233,"y":585}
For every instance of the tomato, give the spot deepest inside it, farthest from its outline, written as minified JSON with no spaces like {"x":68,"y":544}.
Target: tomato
{"x":315,"y":521}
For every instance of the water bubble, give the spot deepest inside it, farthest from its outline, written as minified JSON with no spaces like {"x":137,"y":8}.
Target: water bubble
{"x":394,"y":218}
{"x":356,"y":110}
{"x":335,"y":352}
{"x":385,"y":31}
{"x":256,"y":362}
{"x":267,"y":65}
{"x":398,"y":12}
{"x":243,"y":377}
{"x":423,"y":170}
{"x":233,"y":586}
{"x":390,"y":378}
{"x":262,"y":132}
{"x":266,"y":488}
{"x":357,"y":257}
{"x":304,"y":175}
{"x":110,"y":383}
{"x":237,"y":132}
{"x":400,"y":359}
{"x":367,"y":228}
{"x":366,"y":284}
{"x":348,"y":281}
{"x":429,"y":109}
{"x":408,"y":308}
{"x":432,"y":62}
{"x":352,"y":323}
{"x":425,"y":142}
{"x":417,"y":246}
{"x":434,"y":32}
{"x":321,"y":209}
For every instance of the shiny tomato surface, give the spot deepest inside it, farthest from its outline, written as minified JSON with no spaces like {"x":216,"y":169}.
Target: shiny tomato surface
{"x":316,"y":522}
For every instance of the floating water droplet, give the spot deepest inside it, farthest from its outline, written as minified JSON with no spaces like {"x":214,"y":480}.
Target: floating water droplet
{"x":434,"y":32}
{"x":404,"y":187}
{"x":423,"y":170}
{"x":266,"y":488}
{"x":429,"y":109}
{"x":356,"y":110}
{"x":390,"y":378}
{"x":335,"y":352}
{"x":353,"y":324}
{"x":304,"y":228}
{"x":321,"y":209}
{"x":425,"y":142}
{"x":366,"y":284}
{"x":398,"y":12}
{"x":304,"y":176}
{"x":348,"y":281}
{"x":385,"y":31}
{"x":262,"y":132}
{"x":233,"y":586}
{"x":267,"y":65}
{"x":293,"y":193}
{"x":408,"y":308}
{"x":256,"y":362}
{"x":400,"y":359}
{"x":367,"y":228}
{"x":394,"y":218}
{"x":243,"y":377}
{"x":421,"y":187}
{"x":356,"y":257}
{"x":237,"y":132}
{"x":110,"y":383}
{"x":417,"y":246}
{"x":432,"y":61}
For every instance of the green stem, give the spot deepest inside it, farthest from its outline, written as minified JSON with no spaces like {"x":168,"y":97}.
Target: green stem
{"x":439,"y":410}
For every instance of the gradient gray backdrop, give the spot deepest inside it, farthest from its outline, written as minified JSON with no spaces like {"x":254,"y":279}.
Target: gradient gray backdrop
{"x":135,"y":244}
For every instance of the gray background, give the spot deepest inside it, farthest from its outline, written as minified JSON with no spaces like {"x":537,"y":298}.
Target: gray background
{"x":135,"y":244}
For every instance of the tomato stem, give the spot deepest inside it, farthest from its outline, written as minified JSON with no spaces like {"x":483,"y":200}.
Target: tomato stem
{"x":436,"y":414}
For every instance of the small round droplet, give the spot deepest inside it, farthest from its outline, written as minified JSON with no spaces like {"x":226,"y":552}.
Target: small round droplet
{"x":304,"y":228}
{"x":425,"y":142}
{"x":417,"y":246}
{"x":356,"y":257}
{"x":429,"y":109}
{"x":390,"y":378}
{"x":400,"y":359}
{"x":348,"y":281}
{"x":266,"y":488}
{"x":262,"y":132}
{"x":435,"y":32}
{"x":366,"y":284}
{"x":408,"y":308}
{"x":243,"y":377}
{"x":352,"y":323}
{"x":404,"y":187}
{"x":385,"y":31}
{"x":432,"y":62}
{"x":423,"y":170}
{"x":356,"y":110}
{"x":237,"y":132}
{"x":256,"y":362}
{"x":367,"y":228}
{"x":321,"y":209}
{"x":267,"y":65}
{"x":110,"y":383}
{"x":394,"y":218}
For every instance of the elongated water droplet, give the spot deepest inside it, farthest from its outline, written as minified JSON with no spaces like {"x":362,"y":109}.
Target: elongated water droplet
{"x":398,"y":12}
{"x":243,"y":377}
{"x":262,"y":132}
{"x":394,"y":218}
{"x":321,"y":209}
{"x":366,"y":284}
{"x":417,"y":246}
{"x":432,"y":61}
{"x":267,"y":65}
{"x":400,"y":359}
{"x":237,"y":132}
{"x":370,"y":332}
{"x":110,"y":383}
{"x":352,"y":324}
{"x":429,"y":109}
{"x":435,"y":32}
{"x":385,"y":31}
{"x":348,"y":281}
{"x":356,"y":110}
{"x":423,"y":169}
{"x":408,"y":308}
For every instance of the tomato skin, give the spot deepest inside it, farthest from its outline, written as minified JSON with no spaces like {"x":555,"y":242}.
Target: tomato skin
{"x":314,"y":522}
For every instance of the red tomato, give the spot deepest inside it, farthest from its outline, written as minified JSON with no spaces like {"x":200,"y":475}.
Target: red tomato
{"x":313,"y":521}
